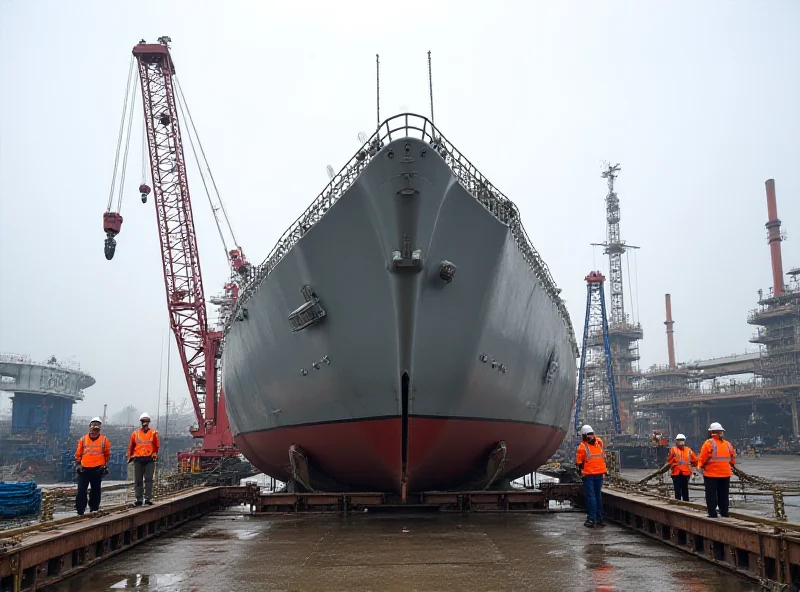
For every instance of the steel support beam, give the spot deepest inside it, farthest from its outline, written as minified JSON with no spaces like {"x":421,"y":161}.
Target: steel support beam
{"x":521,"y":500}
{"x":44,"y":555}
{"x":763,"y":550}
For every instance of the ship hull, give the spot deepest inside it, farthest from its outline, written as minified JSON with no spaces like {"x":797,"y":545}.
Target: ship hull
{"x":367,"y":452}
{"x":407,"y":379}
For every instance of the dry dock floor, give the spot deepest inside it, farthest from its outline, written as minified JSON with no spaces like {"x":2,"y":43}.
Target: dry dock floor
{"x":228,"y":550}
{"x":377,"y":551}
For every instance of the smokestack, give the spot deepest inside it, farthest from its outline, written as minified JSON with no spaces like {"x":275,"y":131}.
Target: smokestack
{"x":670,"y":339}
{"x":105,"y":407}
{"x":774,"y":234}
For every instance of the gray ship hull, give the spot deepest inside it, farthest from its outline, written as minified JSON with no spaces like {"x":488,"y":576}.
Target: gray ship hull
{"x":406,"y":379}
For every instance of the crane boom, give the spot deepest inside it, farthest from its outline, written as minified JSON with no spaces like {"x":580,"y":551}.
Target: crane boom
{"x":199,"y":347}
{"x":180,"y":256}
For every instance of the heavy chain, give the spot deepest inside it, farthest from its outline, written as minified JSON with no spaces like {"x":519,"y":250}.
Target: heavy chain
{"x":48,"y":506}
{"x":764,"y":484}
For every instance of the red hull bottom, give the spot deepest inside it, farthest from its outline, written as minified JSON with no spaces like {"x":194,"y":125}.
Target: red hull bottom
{"x":368,"y":454}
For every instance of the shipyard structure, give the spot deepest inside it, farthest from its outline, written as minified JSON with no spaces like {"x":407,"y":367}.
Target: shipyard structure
{"x":42,"y":396}
{"x":754,"y":395}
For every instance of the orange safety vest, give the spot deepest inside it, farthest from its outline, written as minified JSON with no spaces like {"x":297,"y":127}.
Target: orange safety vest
{"x":717,"y":457}
{"x":681,"y":461}
{"x":92,"y":453}
{"x":144,"y":443}
{"x":592,"y":457}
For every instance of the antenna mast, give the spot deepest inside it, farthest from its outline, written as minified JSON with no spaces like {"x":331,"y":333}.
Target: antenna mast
{"x":430,"y":82}
{"x":378,"y":86}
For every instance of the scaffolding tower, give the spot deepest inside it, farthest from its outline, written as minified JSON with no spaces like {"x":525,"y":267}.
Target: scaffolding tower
{"x":623,"y":335}
{"x":778,"y":318}
{"x":597,"y":398}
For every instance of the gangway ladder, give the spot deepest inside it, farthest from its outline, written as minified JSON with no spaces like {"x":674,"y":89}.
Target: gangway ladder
{"x":596,"y":403}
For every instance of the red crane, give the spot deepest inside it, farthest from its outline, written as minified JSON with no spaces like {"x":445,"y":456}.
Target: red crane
{"x":199,"y":347}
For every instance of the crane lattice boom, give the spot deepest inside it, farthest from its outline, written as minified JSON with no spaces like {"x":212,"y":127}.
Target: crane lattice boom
{"x":181,"y":259}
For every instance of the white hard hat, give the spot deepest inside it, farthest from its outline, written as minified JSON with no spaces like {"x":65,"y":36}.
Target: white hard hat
{"x":96,"y":419}
{"x":144,"y":415}
{"x":716,"y":426}
{"x":680,"y":437}
{"x":587,"y":429}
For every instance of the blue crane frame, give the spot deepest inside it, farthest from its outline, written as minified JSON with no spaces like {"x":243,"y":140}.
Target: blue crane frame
{"x":594,"y":285}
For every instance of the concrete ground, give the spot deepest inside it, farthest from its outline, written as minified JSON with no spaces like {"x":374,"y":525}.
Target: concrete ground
{"x":377,"y":551}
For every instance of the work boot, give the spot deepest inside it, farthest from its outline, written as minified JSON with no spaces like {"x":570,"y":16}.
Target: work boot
{"x":589,"y":523}
{"x":137,"y":503}
{"x":148,"y":503}
{"x":600,"y":523}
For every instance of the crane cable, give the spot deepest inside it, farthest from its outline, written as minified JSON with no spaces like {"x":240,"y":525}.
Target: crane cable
{"x":181,"y":105}
{"x":190,"y":119}
{"x":144,"y":152}
{"x":121,"y":130}
{"x":127,"y":145}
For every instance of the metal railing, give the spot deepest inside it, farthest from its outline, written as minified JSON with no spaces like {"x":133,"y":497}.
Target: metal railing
{"x":758,"y":387}
{"x":416,"y":126}
{"x":15,"y":358}
{"x":52,"y":363}
{"x":773,"y":310}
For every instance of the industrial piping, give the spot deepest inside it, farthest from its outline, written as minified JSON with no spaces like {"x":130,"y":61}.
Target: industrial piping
{"x":774,"y":233}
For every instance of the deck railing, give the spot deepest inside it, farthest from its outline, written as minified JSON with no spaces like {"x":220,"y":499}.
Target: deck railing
{"x":416,"y":126}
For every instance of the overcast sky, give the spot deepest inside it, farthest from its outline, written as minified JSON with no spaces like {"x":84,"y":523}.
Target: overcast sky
{"x":697,"y":100}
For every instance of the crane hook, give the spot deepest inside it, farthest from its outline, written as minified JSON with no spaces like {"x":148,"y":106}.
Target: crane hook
{"x":144,"y":190}
{"x":109,"y":247}
{"x":112,"y":224}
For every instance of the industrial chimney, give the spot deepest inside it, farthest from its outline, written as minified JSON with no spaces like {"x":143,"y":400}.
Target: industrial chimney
{"x":670,"y":339}
{"x":774,"y":238}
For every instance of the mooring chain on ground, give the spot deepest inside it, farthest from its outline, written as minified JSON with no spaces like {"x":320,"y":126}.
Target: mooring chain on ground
{"x":764,"y":484}
{"x":745,"y":479}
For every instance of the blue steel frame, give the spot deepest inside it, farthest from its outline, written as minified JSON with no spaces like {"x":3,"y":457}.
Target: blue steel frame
{"x":592,"y":288}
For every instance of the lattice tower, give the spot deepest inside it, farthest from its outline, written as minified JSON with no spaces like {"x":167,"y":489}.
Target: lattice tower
{"x":597,"y":400}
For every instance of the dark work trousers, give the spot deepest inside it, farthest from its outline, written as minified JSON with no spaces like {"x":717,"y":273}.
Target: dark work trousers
{"x":87,"y":477}
{"x":593,"y":492}
{"x":717,"y":490}
{"x":143,"y":469}
{"x":681,"y":485}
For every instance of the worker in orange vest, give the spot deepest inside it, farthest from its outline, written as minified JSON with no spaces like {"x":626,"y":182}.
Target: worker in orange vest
{"x":590,"y":459}
{"x":681,"y":458}
{"x":717,"y":457}
{"x":91,"y":460}
{"x":143,"y":452}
